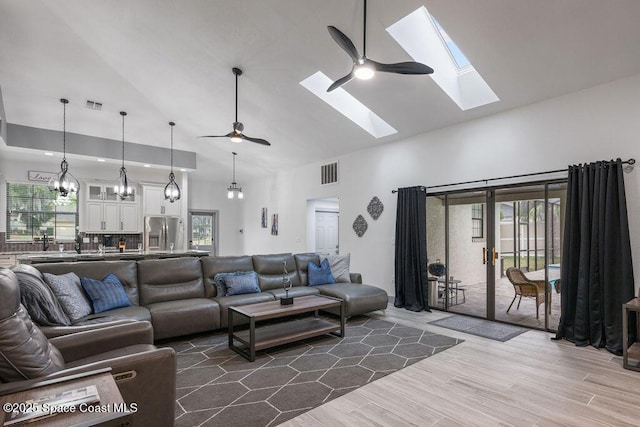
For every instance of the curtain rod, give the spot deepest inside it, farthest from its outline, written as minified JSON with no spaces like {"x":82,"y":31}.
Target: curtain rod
{"x":627,"y":162}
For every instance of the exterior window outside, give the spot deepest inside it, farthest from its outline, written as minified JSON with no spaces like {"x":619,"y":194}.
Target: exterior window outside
{"x":477,"y":221}
{"x":33,"y":210}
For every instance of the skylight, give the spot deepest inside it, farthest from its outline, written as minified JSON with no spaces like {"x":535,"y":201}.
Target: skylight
{"x":425,"y":41}
{"x":347,"y":105}
{"x":455,"y":52}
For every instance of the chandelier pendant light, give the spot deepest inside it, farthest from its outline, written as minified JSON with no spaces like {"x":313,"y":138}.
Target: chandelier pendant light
{"x":64,"y":183}
{"x":171,"y":190}
{"x":123,"y":188}
{"x":233,"y":189}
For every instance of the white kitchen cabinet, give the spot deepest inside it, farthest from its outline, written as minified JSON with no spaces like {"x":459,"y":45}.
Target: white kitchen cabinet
{"x":106,"y":213}
{"x":129,"y":218}
{"x":155,"y":203}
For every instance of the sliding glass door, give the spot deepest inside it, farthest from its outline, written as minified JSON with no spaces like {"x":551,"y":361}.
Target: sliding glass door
{"x":500,"y":249}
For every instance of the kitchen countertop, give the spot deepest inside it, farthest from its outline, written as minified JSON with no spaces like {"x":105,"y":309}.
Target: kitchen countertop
{"x":34,"y":257}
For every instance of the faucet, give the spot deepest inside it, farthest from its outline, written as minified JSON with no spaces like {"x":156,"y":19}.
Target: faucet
{"x":45,"y":242}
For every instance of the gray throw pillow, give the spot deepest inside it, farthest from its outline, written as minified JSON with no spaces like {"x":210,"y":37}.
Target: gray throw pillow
{"x":68,"y":290}
{"x":339,"y":267}
{"x":40,"y":302}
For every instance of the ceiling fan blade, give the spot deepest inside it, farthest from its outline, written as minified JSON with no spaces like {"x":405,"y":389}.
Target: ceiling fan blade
{"x":341,"y":81}
{"x":344,"y":42}
{"x":256,"y":140}
{"x":216,"y":136}
{"x":402,"y":67}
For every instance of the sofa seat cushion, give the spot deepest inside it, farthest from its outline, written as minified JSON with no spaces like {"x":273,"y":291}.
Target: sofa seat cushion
{"x":183,"y":317}
{"x":113,"y":354}
{"x":226,"y":302}
{"x":296,"y":291}
{"x":133,"y":312}
{"x":359,"y":299}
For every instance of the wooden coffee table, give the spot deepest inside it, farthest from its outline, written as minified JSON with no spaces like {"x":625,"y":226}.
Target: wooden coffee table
{"x":267,"y":336}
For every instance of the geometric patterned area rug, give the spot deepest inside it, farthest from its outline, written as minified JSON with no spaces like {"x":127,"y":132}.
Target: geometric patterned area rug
{"x":480,"y":327}
{"x":216,"y":386}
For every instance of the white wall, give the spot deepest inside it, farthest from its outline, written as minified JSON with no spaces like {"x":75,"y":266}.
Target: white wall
{"x":594,"y":124}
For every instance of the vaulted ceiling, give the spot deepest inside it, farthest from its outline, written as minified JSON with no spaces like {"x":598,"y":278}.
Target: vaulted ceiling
{"x":163,"y":60}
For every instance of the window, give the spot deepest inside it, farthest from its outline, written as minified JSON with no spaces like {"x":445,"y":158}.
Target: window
{"x":477,"y":221}
{"x":34,"y":210}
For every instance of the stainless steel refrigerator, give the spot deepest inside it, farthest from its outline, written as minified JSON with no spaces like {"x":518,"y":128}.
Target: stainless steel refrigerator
{"x":161,"y":231}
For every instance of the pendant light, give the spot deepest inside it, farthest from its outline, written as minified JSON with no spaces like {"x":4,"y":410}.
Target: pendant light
{"x":233,"y":188}
{"x":122,"y":188}
{"x":171,"y":190}
{"x":64,"y":183}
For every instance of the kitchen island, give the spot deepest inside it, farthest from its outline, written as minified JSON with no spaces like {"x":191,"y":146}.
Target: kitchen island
{"x":69,"y":256}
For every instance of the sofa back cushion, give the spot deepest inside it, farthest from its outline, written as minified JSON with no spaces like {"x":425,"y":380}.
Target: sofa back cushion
{"x":170,"y":279}
{"x":302,"y":264}
{"x":125,"y":271}
{"x":270,"y":268}
{"x":222,"y":264}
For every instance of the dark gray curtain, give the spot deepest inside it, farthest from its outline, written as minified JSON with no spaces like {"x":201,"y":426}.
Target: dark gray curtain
{"x":411,"y":249}
{"x":597,"y":273}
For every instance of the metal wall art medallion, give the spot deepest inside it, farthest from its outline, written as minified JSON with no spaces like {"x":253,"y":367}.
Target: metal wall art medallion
{"x":375,"y":208}
{"x":360,"y":225}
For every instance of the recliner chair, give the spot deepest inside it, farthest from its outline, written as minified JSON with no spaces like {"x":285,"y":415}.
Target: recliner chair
{"x":26,"y":354}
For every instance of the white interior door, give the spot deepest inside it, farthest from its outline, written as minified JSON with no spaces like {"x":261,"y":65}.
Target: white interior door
{"x":327,"y":232}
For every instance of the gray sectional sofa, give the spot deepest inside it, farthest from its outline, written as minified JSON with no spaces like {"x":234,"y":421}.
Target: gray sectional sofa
{"x":178,"y":295}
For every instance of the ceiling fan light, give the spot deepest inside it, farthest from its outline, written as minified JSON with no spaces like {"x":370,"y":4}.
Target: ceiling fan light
{"x":236,"y":138}
{"x":363,"y":72}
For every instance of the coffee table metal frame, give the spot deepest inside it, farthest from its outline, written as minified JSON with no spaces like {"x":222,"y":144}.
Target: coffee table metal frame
{"x":260,"y":338}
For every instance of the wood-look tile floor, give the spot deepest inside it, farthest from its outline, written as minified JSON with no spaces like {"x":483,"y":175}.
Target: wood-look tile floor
{"x":527,"y":381}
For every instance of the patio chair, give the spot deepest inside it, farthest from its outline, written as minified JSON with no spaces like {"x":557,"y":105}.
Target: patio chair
{"x":525,"y":287}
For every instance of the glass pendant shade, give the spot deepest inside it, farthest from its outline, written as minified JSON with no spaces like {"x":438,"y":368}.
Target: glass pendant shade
{"x":64,"y":182}
{"x":123,"y":188}
{"x":172,"y":190}
{"x":233,"y":190}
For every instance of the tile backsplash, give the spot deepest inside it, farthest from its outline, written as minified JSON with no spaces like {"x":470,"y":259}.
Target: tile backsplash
{"x":132,"y":242}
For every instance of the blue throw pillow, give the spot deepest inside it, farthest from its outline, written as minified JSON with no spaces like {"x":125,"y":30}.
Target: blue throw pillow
{"x":221,"y":287}
{"x":320,"y":274}
{"x":239,"y":283}
{"x":105,"y":294}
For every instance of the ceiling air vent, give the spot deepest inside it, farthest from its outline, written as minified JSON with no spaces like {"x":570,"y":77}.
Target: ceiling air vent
{"x":329,"y":173}
{"x":94,"y":105}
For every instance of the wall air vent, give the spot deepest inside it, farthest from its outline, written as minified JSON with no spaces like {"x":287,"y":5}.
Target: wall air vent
{"x":94,"y":105}
{"x":329,"y":173}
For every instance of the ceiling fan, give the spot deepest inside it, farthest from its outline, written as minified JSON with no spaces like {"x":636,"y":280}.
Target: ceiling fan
{"x":363,"y":67}
{"x":236,"y":135}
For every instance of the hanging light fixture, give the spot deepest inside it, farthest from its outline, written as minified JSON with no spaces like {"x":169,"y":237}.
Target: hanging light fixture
{"x":122,"y":188}
{"x":233,"y":188}
{"x":171,"y":190}
{"x":64,"y":183}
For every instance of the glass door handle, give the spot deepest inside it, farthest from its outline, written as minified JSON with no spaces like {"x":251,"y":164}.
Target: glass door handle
{"x":494,"y":255}
{"x":484,"y":256}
